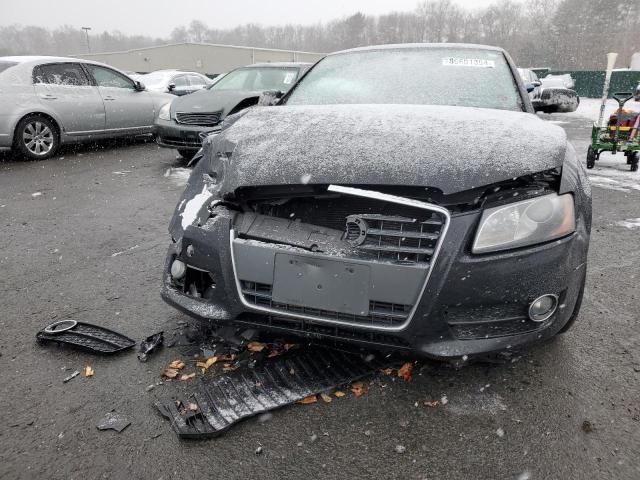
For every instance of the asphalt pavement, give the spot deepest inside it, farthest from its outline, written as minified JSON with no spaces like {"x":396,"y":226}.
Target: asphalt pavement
{"x":84,"y":235}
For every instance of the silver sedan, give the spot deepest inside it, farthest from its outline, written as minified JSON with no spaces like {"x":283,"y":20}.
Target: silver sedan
{"x":49,"y":101}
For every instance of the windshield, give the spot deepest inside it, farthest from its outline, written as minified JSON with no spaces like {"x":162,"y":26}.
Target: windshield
{"x":258,"y":79}
{"x":434,"y":76}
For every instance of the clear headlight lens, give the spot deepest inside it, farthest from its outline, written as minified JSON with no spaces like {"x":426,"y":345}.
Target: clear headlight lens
{"x":165,"y":112}
{"x":525,"y":223}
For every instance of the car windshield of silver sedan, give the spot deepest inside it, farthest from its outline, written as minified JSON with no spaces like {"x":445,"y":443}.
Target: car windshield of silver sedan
{"x":438,"y":76}
{"x":258,"y":79}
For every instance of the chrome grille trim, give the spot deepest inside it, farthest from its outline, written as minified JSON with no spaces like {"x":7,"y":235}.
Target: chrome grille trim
{"x":202,"y":119}
{"x":319,"y":319}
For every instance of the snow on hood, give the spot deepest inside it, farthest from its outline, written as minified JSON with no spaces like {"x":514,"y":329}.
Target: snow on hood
{"x":450,"y":148}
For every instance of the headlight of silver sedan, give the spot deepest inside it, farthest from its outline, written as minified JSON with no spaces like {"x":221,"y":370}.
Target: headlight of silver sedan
{"x":525,"y":223}
{"x":165,"y":112}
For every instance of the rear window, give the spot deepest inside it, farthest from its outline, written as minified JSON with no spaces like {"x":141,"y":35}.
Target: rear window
{"x":67,"y":74}
{"x":5,"y":65}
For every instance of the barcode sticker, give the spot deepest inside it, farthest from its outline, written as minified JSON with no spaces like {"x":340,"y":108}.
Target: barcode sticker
{"x":468,"y":62}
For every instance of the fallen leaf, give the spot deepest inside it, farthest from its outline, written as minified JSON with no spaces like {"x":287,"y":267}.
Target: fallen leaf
{"x":288,"y":346}
{"x":431,"y":403}
{"x":256,"y":346}
{"x":226,"y":358}
{"x":88,"y":371}
{"x":359,"y":388}
{"x":387,"y":371}
{"x":192,"y":406}
{"x":170,"y":373}
{"x":339,"y":393}
{"x":273,"y":353}
{"x":308,"y":400}
{"x":326,"y":398}
{"x":177,"y":365}
{"x":406,"y":371}
{"x":207,"y":363}
{"x":292,"y":371}
{"x":184,"y":377}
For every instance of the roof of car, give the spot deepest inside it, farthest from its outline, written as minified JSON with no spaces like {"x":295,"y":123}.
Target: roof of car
{"x":399,"y":46}
{"x":36,"y":59}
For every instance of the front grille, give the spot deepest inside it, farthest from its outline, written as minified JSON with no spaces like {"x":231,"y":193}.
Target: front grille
{"x":202,"y":119}
{"x":381,"y":314}
{"x":400,"y":239}
{"x":478,"y":331}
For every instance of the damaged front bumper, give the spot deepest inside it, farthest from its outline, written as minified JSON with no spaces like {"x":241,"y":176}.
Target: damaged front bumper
{"x":409,"y":285}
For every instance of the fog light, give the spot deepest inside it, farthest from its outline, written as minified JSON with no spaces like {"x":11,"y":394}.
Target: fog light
{"x":543,"y":307}
{"x":178,"y":269}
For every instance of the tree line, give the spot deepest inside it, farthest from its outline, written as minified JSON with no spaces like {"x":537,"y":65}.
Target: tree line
{"x":560,"y":34}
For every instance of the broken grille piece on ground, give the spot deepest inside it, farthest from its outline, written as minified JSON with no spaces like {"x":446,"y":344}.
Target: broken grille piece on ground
{"x":218,"y":403}
{"x":85,"y":336}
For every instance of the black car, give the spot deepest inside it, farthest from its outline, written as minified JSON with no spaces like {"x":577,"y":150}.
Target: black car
{"x":399,"y":197}
{"x":179,"y":124}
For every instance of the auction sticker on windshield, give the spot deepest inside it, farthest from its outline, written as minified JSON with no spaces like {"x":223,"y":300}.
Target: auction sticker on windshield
{"x":468,"y":62}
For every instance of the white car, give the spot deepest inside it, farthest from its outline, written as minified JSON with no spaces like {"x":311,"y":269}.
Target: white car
{"x":49,"y":101}
{"x":175,"y":81}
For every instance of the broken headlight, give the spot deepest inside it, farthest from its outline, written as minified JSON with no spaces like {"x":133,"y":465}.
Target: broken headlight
{"x":525,"y":223}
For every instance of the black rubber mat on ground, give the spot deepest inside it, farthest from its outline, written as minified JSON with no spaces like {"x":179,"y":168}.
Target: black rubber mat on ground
{"x":217,"y":403}
{"x":88,"y":337}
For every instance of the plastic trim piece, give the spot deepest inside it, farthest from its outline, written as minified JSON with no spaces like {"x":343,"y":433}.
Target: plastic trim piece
{"x":366,"y":194}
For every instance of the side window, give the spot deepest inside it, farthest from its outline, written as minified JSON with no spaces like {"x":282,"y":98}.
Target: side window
{"x":197,"y":81}
{"x":105,"y":77}
{"x":534,"y":77}
{"x":180,"y":82}
{"x":61,"y":74}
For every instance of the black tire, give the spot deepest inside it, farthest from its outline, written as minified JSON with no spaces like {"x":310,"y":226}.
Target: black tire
{"x":634,"y":161}
{"x":576,"y":308}
{"x":591,"y":157}
{"x":187,"y":154}
{"x":37,"y":137}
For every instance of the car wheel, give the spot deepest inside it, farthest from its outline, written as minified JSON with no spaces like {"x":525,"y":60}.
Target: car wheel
{"x":634,"y":157}
{"x":186,"y":154}
{"x":37,"y":137}
{"x":576,"y":309}
{"x":591,"y":157}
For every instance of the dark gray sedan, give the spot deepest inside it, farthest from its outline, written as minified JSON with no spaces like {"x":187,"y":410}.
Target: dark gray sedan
{"x":48,"y":101}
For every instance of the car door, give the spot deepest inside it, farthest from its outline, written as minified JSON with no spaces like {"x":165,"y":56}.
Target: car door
{"x":67,"y":91}
{"x":126,"y":107}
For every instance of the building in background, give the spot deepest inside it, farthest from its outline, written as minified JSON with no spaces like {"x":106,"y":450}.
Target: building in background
{"x":206,"y":58}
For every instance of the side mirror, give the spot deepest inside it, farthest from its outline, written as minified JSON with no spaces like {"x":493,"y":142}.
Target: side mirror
{"x":270,"y":98}
{"x":172,"y":87}
{"x":532,"y":86}
{"x":139,"y":86}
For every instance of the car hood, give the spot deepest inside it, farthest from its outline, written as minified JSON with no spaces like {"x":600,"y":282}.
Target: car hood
{"x":449,"y":148}
{"x":211,"y":101}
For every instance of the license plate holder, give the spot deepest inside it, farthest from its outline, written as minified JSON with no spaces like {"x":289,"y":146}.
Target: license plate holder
{"x":322,"y":284}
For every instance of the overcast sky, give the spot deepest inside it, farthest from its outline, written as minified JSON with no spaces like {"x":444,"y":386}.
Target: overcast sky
{"x":158,"y":17}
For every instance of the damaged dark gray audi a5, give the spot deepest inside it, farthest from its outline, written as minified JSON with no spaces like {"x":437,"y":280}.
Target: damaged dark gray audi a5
{"x":399,"y":197}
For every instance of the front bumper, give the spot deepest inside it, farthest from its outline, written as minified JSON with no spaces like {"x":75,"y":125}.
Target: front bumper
{"x":170,"y":134}
{"x":471,"y":304}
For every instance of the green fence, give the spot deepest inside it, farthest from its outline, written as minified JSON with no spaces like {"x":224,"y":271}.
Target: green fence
{"x":589,"y":83}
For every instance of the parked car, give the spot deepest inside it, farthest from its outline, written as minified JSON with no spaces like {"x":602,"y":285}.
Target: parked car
{"x":637,"y":93}
{"x":49,"y":101}
{"x":180,"y":124}
{"x":426,"y":210}
{"x":175,"y":81}
{"x":552,"y":95}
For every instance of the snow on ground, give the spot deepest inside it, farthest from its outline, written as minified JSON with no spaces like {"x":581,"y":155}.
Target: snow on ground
{"x":629,"y":223}
{"x":178,"y":175}
{"x":590,"y":108}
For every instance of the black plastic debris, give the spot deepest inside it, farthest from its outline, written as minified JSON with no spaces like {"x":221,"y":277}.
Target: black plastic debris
{"x":85,"y":337}
{"x":113,"y":421}
{"x":220,"y":402}
{"x":150,"y":345}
